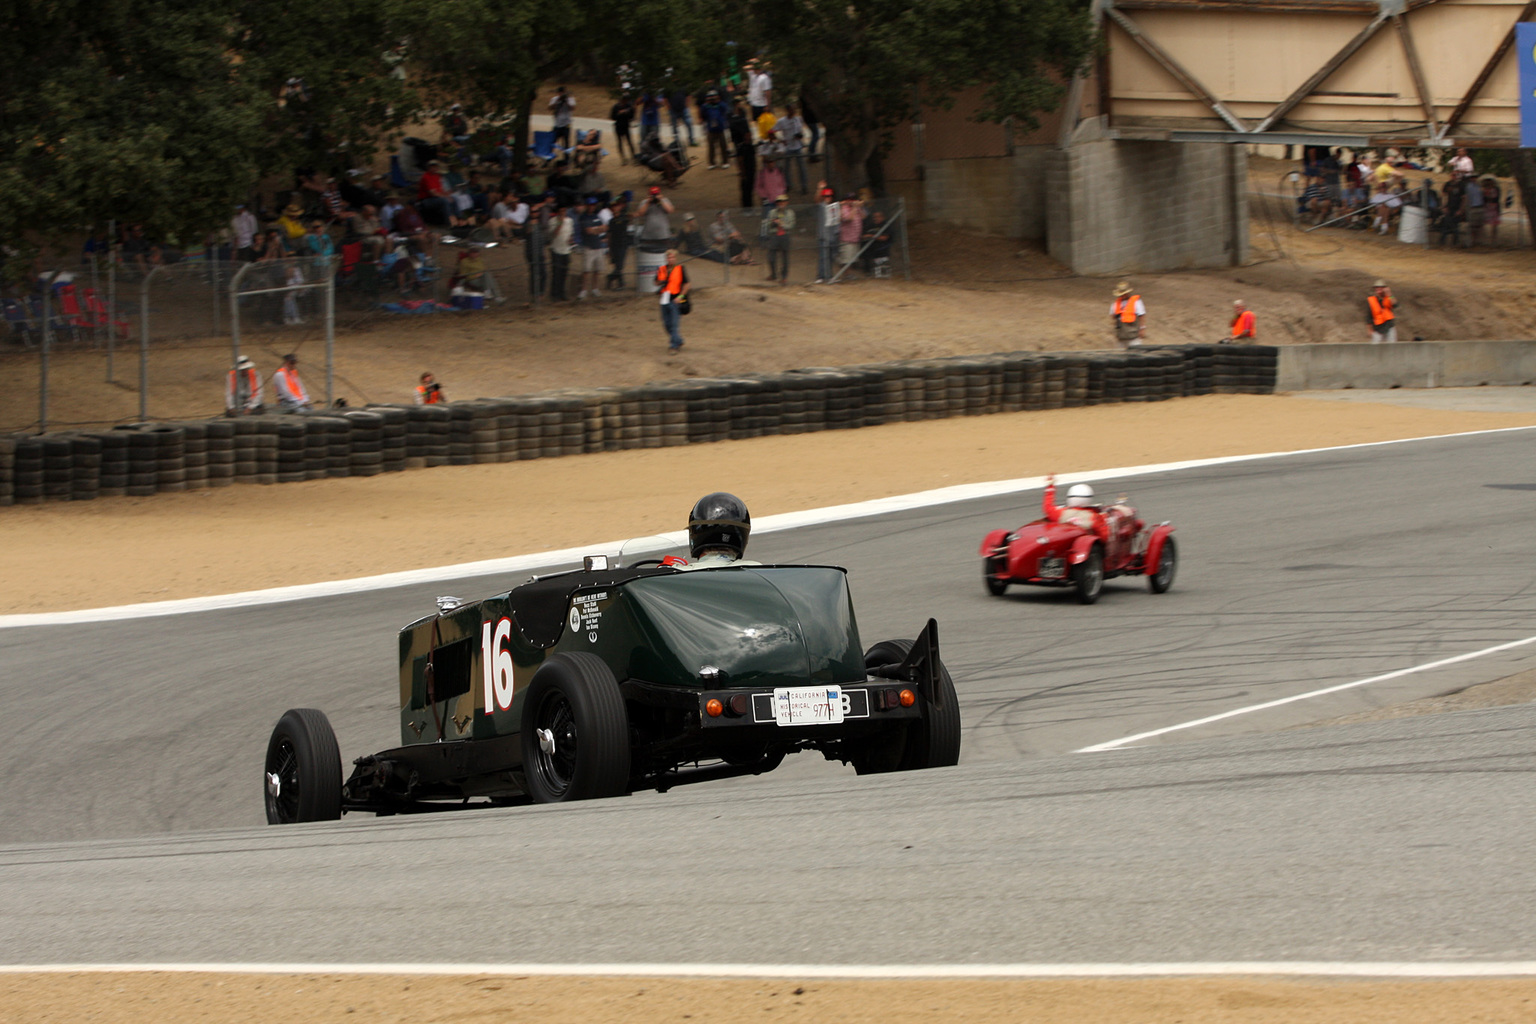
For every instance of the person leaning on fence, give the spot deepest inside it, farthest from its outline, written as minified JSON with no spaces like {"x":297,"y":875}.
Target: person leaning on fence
{"x":1242,"y":326}
{"x":242,"y":395}
{"x":672,"y":280}
{"x":291,"y":395}
{"x":429,"y":391}
{"x":1380,"y":310}
{"x":1128,"y":315}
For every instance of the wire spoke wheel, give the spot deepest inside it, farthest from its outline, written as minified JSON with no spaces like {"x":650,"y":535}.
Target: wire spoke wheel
{"x":555,"y":724}
{"x":283,"y":783}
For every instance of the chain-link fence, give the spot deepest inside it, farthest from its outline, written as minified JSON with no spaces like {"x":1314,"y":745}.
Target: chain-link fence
{"x":1425,"y":214}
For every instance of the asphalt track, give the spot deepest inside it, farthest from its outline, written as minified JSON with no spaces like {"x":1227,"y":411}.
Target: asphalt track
{"x":1236,"y":840}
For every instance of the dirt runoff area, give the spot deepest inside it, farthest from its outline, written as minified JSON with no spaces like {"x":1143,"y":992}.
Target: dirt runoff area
{"x":204,"y":998}
{"x":125,"y":550}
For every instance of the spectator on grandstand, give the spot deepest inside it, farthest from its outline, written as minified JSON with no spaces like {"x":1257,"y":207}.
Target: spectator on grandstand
{"x":791,"y":130}
{"x":562,"y":105}
{"x":716,"y":116}
{"x":139,"y":252}
{"x":770,"y":182}
{"x":291,"y":224}
{"x":434,"y":201}
{"x":877,"y":234}
{"x":618,"y":239}
{"x":244,"y":228}
{"x":677,"y":112}
{"x":725,"y":238}
{"x":850,"y":227}
{"x":622,"y":114}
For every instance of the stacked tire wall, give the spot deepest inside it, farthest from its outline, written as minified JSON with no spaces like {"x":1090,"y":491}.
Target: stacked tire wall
{"x":140,"y":459}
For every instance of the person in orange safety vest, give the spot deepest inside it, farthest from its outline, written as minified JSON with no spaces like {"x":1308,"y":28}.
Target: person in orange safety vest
{"x":242,"y":395}
{"x":291,"y":395}
{"x":1379,"y":307}
{"x":672,"y":280}
{"x":429,"y":391}
{"x":1243,"y":323}
{"x":1128,"y":315}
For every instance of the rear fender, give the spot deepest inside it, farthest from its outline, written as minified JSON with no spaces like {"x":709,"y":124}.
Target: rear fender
{"x":1160,"y":535}
{"x":992,"y":541}
{"x":1081,"y":548}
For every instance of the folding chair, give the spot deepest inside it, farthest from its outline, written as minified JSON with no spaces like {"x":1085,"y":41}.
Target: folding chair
{"x":69,"y":308}
{"x":18,"y":324}
{"x":100,"y":316}
{"x":543,"y":147}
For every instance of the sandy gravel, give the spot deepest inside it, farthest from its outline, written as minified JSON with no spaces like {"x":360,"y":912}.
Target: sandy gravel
{"x":147,"y":998}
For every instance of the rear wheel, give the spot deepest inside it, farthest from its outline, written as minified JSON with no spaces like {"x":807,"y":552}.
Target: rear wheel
{"x":931,"y":742}
{"x":303,"y":769}
{"x":1167,"y":565}
{"x":1088,"y":577}
{"x":575,"y":731}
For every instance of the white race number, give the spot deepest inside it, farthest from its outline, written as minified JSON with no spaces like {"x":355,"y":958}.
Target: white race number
{"x":496,"y":663}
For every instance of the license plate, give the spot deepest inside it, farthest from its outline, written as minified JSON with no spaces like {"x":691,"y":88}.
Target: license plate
{"x":1053,"y":567}
{"x":809,"y":705}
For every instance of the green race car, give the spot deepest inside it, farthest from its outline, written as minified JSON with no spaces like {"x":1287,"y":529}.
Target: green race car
{"x":609,"y":678}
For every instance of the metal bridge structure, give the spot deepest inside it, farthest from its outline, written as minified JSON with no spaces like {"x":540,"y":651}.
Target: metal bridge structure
{"x":1360,"y":73}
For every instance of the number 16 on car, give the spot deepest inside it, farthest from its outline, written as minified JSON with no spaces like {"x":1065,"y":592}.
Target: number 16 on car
{"x":496,"y":663}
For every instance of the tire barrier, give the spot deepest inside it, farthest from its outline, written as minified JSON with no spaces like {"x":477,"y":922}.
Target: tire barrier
{"x":141,"y":459}
{"x":7,"y":471}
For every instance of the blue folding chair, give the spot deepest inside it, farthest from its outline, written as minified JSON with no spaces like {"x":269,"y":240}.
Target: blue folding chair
{"x":18,"y":323}
{"x":544,"y":147}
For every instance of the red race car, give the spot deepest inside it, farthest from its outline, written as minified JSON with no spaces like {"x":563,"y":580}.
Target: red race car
{"x":1080,"y":546}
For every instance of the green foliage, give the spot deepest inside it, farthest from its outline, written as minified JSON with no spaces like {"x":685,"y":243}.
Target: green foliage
{"x":166,"y":112}
{"x":867,"y":66}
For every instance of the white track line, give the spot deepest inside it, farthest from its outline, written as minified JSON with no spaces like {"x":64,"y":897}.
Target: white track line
{"x":1299,"y":968}
{"x":542,"y":559}
{"x":1115,"y":744}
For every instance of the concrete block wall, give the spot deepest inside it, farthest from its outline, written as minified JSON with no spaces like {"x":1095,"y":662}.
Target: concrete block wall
{"x":999,"y":195}
{"x":1122,"y":206}
{"x":1415,"y":364}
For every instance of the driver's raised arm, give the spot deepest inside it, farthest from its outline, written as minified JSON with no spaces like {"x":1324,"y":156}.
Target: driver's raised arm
{"x":1048,"y":501}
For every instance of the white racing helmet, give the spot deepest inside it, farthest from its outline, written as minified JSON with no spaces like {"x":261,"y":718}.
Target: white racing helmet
{"x":1080,"y":496}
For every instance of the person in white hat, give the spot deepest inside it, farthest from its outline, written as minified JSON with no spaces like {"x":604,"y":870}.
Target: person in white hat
{"x":242,"y":396}
{"x":1128,"y":315}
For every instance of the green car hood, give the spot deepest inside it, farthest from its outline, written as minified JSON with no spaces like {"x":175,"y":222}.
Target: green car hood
{"x":770,"y":626}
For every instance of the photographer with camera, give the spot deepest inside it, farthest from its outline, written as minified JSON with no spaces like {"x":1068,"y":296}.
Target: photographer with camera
{"x":429,"y":391}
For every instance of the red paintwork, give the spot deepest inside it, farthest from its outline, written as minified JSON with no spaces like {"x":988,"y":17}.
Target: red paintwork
{"x":1015,"y":556}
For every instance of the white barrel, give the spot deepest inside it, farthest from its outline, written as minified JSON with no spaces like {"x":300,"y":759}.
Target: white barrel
{"x":645,"y":270}
{"x":1413,"y":225}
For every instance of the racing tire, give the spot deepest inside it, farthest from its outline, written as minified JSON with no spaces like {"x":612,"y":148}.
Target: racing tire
{"x":995,"y":586}
{"x":931,"y":742}
{"x":575,"y":731}
{"x":1167,"y":565}
{"x":302,"y":777}
{"x":1088,"y":577}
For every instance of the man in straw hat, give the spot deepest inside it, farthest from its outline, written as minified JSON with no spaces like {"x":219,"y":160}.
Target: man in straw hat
{"x":242,"y":397}
{"x":1128,"y":315}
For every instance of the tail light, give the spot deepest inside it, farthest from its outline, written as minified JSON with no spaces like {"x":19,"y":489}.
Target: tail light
{"x":714,"y":708}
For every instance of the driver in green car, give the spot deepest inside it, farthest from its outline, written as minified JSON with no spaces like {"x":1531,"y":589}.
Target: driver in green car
{"x":718,"y":527}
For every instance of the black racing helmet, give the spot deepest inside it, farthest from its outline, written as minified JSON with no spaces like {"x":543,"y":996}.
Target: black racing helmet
{"x":719,"y":520}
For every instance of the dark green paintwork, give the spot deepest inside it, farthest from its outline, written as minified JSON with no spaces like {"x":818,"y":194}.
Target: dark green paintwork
{"x":759,"y":625}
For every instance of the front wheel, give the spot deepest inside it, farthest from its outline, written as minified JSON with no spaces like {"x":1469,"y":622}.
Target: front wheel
{"x":1167,"y":565}
{"x":989,"y":570}
{"x":303,"y":770}
{"x":931,"y":742}
{"x":575,"y":731}
{"x":1088,"y":577}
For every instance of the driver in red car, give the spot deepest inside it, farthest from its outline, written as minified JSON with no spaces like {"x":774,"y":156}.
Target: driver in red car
{"x":1115,"y":525}
{"x":1081,"y":510}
